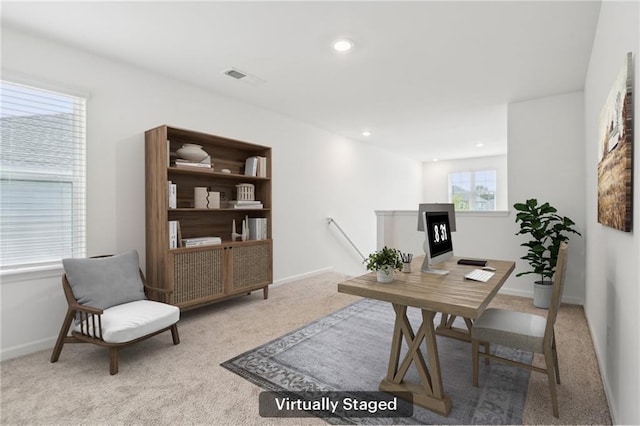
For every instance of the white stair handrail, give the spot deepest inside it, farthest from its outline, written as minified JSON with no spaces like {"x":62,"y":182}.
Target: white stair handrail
{"x":330,"y":220}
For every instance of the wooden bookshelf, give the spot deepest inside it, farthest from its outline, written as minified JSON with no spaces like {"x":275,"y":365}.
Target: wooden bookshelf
{"x":204,"y":274}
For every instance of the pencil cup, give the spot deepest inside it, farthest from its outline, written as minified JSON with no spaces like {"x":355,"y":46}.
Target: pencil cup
{"x":406,"y":267}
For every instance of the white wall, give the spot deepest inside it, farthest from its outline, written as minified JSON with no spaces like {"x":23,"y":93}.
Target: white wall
{"x":613,"y":268}
{"x":545,"y":160}
{"x":316,"y":174}
{"x":435,"y":176}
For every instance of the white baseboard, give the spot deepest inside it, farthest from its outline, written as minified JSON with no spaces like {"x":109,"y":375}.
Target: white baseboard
{"x":28,"y":348}
{"x":301,"y":276}
{"x":605,"y":383}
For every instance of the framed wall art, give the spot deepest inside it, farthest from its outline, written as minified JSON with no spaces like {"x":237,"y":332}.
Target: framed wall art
{"x":615,"y":153}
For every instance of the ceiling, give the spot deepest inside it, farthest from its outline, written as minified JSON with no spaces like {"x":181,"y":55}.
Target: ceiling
{"x":429,"y":79}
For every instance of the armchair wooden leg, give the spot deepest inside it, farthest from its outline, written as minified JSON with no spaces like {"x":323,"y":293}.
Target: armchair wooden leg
{"x":548,"y":358}
{"x":62,"y":335}
{"x":265,"y":291}
{"x":487,"y":350}
{"x":113,"y":360}
{"x":174,"y":334}
{"x":475,"y":347}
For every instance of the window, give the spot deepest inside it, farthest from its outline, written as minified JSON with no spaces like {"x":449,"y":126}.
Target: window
{"x":42,"y":177}
{"x":473,"y":191}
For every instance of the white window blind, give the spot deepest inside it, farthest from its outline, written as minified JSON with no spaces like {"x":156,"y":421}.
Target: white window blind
{"x":42,"y":177}
{"x":473,"y":191}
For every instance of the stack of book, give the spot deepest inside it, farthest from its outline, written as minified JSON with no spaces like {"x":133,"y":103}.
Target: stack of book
{"x":201,"y":241}
{"x":242,"y":204}
{"x":256,"y":166}
{"x":257,"y":228}
{"x":206,"y":163}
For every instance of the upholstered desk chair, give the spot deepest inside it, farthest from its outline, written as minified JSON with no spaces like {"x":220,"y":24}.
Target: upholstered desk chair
{"x":108,"y":305}
{"x":528,"y":332}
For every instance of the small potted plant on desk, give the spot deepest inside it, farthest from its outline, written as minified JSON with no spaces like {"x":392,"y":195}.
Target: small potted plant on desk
{"x":547,"y":230}
{"x":384,"y":262}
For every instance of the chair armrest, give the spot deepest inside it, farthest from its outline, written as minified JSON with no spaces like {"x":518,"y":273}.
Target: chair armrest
{"x":157,"y":289}
{"x":90,"y":320}
{"x":162,"y":293}
{"x":89,"y":310}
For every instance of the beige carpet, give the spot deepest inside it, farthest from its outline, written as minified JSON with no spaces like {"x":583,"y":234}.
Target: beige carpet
{"x":159,"y":383}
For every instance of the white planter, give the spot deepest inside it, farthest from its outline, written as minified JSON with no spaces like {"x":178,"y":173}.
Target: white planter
{"x":542,"y":294}
{"x":385,"y":275}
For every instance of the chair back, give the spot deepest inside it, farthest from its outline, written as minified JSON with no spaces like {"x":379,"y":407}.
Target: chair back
{"x":556,"y":296}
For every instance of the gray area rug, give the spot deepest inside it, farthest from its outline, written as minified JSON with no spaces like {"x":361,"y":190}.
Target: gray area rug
{"x":349,"y":351}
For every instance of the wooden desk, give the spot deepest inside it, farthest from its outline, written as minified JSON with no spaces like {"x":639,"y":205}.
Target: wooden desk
{"x":449,"y":294}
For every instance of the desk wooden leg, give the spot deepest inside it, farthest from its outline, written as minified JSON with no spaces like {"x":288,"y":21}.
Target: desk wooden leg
{"x":447,"y":329}
{"x":429,"y":392}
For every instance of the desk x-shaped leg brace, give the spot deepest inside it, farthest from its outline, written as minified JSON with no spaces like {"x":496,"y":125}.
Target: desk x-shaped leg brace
{"x":429,"y":392}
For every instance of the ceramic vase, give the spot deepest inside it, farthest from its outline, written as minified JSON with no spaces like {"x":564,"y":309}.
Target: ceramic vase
{"x":192,"y":152}
{"x":213,"y":200}
{"x":200,"y":194}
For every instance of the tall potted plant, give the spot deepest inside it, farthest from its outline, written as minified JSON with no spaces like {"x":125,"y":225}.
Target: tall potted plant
{"x":384,"y":262}
{"x":547,"y":230}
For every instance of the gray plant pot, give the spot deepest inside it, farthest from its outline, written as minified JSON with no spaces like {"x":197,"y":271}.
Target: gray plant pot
{"x":542,"y":294}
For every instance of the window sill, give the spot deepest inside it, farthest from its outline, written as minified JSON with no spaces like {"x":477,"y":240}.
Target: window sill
{"x":30,"y":274}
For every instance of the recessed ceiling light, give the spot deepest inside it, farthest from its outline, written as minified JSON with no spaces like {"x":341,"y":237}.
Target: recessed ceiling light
{"x":342,"y":45}
{"x":479,"y":145}
{"x":366,"y":133}
{"x":435,"y":159}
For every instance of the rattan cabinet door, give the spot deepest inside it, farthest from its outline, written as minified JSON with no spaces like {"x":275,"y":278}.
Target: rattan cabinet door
{"x":198,"y":276}
{"x":251,"y":266}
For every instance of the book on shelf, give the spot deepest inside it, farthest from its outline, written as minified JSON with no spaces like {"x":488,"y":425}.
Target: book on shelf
{"x":257,"y":228}
{"x":192,"y":164}
{"x":255,"y":166}
{"x":251,"y":166}
{"x":243,"y":204}
{"x":174,"y":234}
{"x":262,"y":167}
{"x":201,"y":241}
{"x":173,"y":195}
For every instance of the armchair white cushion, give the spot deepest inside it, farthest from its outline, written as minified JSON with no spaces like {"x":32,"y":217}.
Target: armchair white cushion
{"x":133,"y":320}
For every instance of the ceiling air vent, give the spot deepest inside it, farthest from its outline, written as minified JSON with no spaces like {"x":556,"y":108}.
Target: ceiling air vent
{"x":243,"y":76}
{"x":235,"y":74}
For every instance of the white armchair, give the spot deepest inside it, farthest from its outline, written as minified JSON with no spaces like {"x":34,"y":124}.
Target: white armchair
{"x":108,"y":305}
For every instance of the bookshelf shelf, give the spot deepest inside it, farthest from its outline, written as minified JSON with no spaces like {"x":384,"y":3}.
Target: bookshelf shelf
{"x":204,"y":274}
{"x":207,"y":172}
{"x":225,"y":244}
